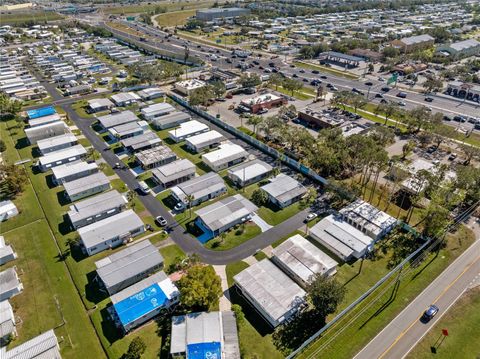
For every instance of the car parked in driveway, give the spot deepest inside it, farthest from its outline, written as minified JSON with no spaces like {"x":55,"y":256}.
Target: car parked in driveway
{"x":310,"y":217}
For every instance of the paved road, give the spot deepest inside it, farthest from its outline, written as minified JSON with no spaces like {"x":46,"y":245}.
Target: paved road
{"x":399,"y":337}
{"x":178,"y":234}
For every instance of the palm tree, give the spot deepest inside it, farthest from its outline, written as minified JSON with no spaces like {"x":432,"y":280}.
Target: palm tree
{"x":254,"y":120}
{"x":190,"y":199}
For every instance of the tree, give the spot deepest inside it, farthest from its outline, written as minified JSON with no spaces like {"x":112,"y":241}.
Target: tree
{"x":441,"y":133}
{"x":307,"y":52}
{"x":131,"y":195}
{"x":292,"y":85}
{"x":371,"y":68}
{"x":92,"y":154}
{"x":200,"y":96}
{"x":254,"y":120}
{"x":325,"y":294}
{"x":432,"y":84}
{"x":276,"y":80}
{"x":259,"y":197}
{"x":390,"y":52}
{"x":419,"y":118}
{"x":218,"y":88}
{"x":200,"y":288}
{"x":383,"y":135}
{"x":310,"y":197}
{"x":136,"y":349}
{"x":357,"y":101}
{"x":470,"y":152}
{"x":248,"y":81}
{"x":13,"y":179}
{"x":190,"y":199}
{"x":387,"y":109}
{"x":407,"y":148}
{"x":9,"y":107}
{"x":3,"y":146}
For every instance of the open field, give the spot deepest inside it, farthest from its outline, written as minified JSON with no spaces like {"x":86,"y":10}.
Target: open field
{"x":174,"y":18}
{"x":31,"y":16}
{"x":137,"y":9}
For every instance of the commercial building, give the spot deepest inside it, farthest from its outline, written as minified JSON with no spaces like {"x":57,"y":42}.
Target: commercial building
{"x":99,"y":105}
{"x":271,"y":292}
{"x":48,"y":130}
{"x":201,"y":189}
{"x":7,"y":210}
{"x":368,"y":219}
{"x":319,"y":119}
{"x":187,"y":86}
{"x":227,"y":155}
{"x":342,"y":239}
{"x":42,"y":346}
{"x":128,"y":266}
{"x":60,"y":157}
{"x":7,"y":323}
{"x":413,"y":43}
{"x":284,"y":190}
{"x":56,"y":143}
{"x":250,"y":172}
{"x":143,"y":301}
{"x":72,"y":171}
{"x":302,"y":260}
{"x":222,"y":215}
{"x":146,"y":140}
{"x":116,"y":119}
{"x":460,"y":49}
{"x":110,"y":232}
{"x":464,"y":90}
{"x":125,"y":98}
{"x":187,"y":129}
{"x":96,"y":208}
{"x":11,"y":285}
{"x":221,"y":13}
{"x":86,"y":186}
{"x":174,"y":173}
{"x":157,"y":110}
{"x":203,"y":141}
{"x":171,"y":120}
{"x":155,"y":157}
{"x":7,"y":254}
{"x":265,"y":101}
{"x":202,"y":335}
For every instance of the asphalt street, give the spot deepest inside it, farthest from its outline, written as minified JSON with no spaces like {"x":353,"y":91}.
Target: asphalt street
{"x":400,"y":336}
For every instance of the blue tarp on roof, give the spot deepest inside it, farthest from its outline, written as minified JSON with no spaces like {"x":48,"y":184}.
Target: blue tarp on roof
{"x":140,"y":303}
{"x":204,"y":351}
{"x":40,"y":112}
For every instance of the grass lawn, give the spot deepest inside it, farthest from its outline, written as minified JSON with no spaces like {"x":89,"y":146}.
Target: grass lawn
{"x":462,"y":320}
{"x":234,"y":238}
{"x":260,"y":255}
{"x":274,"y":216}
{"x":326,"y":69}
{"x":174,"y":18}
{"x":35,"y":16}
{"x":171,"y":253}
{"x":79,"y":108}
{"x":134,"y":9}
{"x":379,"y":313}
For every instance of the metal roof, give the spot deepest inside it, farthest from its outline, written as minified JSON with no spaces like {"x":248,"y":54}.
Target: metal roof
{"x":56,"y":141}
{"x":155,"y":154}
{"x":48,"y":128}
{"x":9,"y":280}
{"x":416,"y":39}
{"x":148,"y":138}
{"x":44,"y":346}
{"x":69,"y":169}
{"x":63,"y":154}
{"x":270,"y":288}
{"x":99,"y":102}
{"x":226,"y":211}
{"x":109,"y":228}
{"x":7,"y":319}
{"x":188,"y":128}
{"x":174,"y":170}
{"x":250,"y":169}
{"x":84,"y":183}
{"x":200,"y":186}
{"x":225,"y":153}
{"x":157,"y":108}
{"x":116,"y":119}
{"x":128,"y":263}
{"x":171,"y":119}
{"x":205,"y":138}
{"x":284,"y":188}
{"x":94,"y":205}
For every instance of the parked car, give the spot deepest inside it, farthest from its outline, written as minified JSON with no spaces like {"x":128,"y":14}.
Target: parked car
{"x":262,"y":111}
{"x":311,"y":217}
{"x":401,"y":103}
{"x":179,"y":207}
{"x":161,"y":221}
{"x":323,"y":77}
{"x":430,"y":313}
{"x":143,"y":187}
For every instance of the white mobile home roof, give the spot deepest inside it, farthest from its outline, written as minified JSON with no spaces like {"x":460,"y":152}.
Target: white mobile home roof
{"x":174,"y":170}
{"x":128,"y":263}
{"x":44,"y":120}
{"x":225,"y":153}
{"x":303,"y":258}
{"x":70,"y":152}
{"x":157,"y":109}
{"x":48,"y":130}
{"x":172,"y":119}
{"x":251,"y":169}
{"x":82,"y":184}
{"x":116,"y":119}
{"x":7,"y":319}
{"x":283,"y":188}
{"x":55,"y":141}
{"x":44,"y":346}
{"x":94,"y":205}
{"x":206,"y":138}
{"x":186,"y":129}
{"x":109,"y":228}
{"x":148,"y":138}
{"x":270,"y":288}
{"x":199,"y":186}
{"x":69,"y":169}
{"x":99,"y":103}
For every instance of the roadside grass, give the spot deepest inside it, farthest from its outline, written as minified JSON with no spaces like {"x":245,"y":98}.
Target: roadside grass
{"x":254,"y":335}
{"x":375,"y":118}
{"x":461,"y":320}
{"x":234,"y":238}
{"x":174,"y":18}
{"x":325,"y":69}
{"x":171,"y":254}
{"x":79,"y":108}
{"x":377,"y":314}
{"x":35,"y":16}
{"x":260,"y":255}
{"x":274,"y":216}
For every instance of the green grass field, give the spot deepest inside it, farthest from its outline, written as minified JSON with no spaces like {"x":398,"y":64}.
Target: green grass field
{"x":174,"y":18}
{"x":19,"y":18}
{"x":462,"y":320}
{"x":137,"y":9}
{"x":233,"y":239}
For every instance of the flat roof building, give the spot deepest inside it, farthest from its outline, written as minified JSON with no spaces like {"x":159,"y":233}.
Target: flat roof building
{"x":227,"y":155}
{"x":72,"y":171}
{"x":301,"y":260}
{"x":196,"y":334}
{"x":171,"y":120}
{"x":412,"y":43}
{"x":60,"y":157}
{"x":155,"y":157}
{"x":465,"y":48}
{"x":41,"y":132}
{"x":146,"y":140}
{"x":284,"y":190}
{"x":157,"y":110}
{"x":187,"y":129}
{"x":11,"y":285}
{"x":56,"y":143}
{"x":128,"y":266}
{"x":86,"y":186}
{"x":250,"y":172}
{"x":270,"y":291}
{"x":202,"y":188}
{"x":174,"y":173}
{"x":110,"y":232}
{"x":43,"y":346}
{"x":368,"y":219}
{"x":7,"y":254}
{"x":116,"y":119}
{"x":342,"y":239}
{"x":186,"y":87}
{"x":264,"y":101}
{"x":143,"y":301}
{"x":221,"y":13}
{"x":203,"y":141}
{"x":222,"y":215}
{"x":96,"y":208}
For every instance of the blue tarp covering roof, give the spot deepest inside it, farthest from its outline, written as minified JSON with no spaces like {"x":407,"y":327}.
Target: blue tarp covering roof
{"x":40,"y":112}
{"x":140,"y":303}
{"x":204,"y":351}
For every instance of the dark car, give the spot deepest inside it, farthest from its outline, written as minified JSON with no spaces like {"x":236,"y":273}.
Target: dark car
{"x":323,"y":77}
{"x":429,"y":99}
{"x":385,"y":89}
{"x":294,"y":75}
{"x":305,"y":80}
{"x":256,"y":62}
{"x":431,"y":149}
{"x":430,"y":313}
{"x":369,"y":83}
{"x":292,"y":66}
{"x":383,"y":101}
{"x":357,"y":91}
{"x":401,"y":94}
{"x":378,"y":95}
{"x":271,"y":64}
{"x":302,"y":71}
{"x":315,"y":72}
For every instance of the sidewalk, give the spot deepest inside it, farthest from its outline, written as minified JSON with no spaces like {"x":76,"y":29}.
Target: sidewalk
{"x":225,"y":304}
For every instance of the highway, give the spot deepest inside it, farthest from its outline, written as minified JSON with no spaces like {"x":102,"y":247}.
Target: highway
{"x":399,"y":337}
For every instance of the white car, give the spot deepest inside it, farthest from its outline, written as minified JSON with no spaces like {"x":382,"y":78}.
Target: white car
{"x":311,"y":217}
